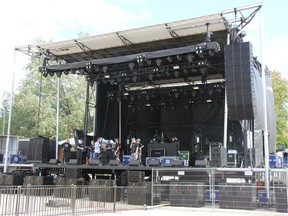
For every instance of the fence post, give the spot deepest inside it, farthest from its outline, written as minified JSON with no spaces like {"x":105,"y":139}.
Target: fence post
{"x":27,"y":198}
{"x":18,"y":200}
{"x":213,"y":192}
{"x":73,"y":198}
{"x":114,"y":198}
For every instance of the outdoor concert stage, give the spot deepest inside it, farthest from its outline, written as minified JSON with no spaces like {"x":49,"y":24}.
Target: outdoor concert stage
{"x":194,"y":79}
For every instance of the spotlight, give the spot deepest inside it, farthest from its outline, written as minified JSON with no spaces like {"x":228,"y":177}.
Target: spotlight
{"x":176,"y":94}
{"x":131,"y":65}
{"x":107,"y":76}
{"x":132,"y":97}
{"x":209,"y":101}
{"x":150,"y":77}
{"x":176,"y":67}
{"x":66,"y":72}
{"x":176,"y":73}
{"x":158,"y":62}
{"x":111,"y":81}
{"x":148,"y":61}
{"x":73,"y":71}
{"x":104,"y":69}
{"x":45,"y":74}
{"x":88,"y":66}
{"x":51,"y":73}
{"x":179,"y":57}
{"x":203,"y":70}
{"x":58,"y":73}
{"x":169,"y":59}
{"x":190,"y":57}
{"x":210,"y":92}
{"x":81,"y":71}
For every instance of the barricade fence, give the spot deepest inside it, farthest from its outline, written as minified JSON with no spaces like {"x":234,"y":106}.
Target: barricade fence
{"x":223,"y":188}
{"x":65,"y":200}
{"x":212,"y":188}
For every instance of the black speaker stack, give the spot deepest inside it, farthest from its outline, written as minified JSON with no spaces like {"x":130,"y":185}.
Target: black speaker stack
{"x":105,"y":192}
{"x":237,"y":196}
{"x":38,"y":150}
{"x":281,"y":198}
{"x":238,"y":72}
{"x":218,"y":156}
{"x":140,"y":193}
{"x":190,"y":194}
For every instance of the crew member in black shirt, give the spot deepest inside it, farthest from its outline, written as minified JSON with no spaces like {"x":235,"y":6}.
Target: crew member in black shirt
{"x":66,"y":148}
{"x":80,"y":149}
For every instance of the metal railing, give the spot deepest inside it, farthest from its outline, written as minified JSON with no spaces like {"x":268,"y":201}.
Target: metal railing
{"x":63,"y":200}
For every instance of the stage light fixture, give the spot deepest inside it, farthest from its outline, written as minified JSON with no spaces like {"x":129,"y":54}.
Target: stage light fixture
{"x":196,"y":87}
{"x":73,"y":71}
{"x":107,"y":76}
{"x":211,"y":53}
{"x":179,"y":57}
{"x":176,"y":94}
{"x":104,"y":69}
{"x":169,"y":59}
{"x":81,"y":71}
{"x":45,"y":74}
{"x":150,"y":77}
{"x":58,"y":73}
{"x":148,"y":105}
{"x":51,"y":73}
{"x":176,"y":73}
{"x":134,"y":78}
{"x":209,"y":101}
{"x":203,"y":70}
{"x":210,"y":92}
{"x":190,"y":57}
{"x":208,"y":36}
{"x":132,"y":97}
{"x":66,"y":72}
{"x":111,"y":81}
{"x":158,"y":62}
{"x":131,"y":65}
{"x":176,"y":67}
{"x":149,"y":62}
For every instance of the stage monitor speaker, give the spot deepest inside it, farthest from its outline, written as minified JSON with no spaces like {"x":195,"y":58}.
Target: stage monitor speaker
{"x":114,"y":163}
{"x":54,"y":161}
{"x":177,"y":163}
{"x":154,"y":163}
{"x":134,"y":163}
{"x":238,"y":72}
{"x":201,"y":163}
{"x":94,"y":162}
{"x":72,"y":162}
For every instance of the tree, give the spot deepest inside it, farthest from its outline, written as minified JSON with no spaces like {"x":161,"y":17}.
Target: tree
{"x":280,"y":88}
{"x":34,"y":115}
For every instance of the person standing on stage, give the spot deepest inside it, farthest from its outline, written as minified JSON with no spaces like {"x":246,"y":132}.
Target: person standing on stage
{"x":117,"y":149}
{"x":134,"y":149}
{"x":97,"y":148}
{"x":80,"y":149}
{"x":66,"y":148}
{"x":109,"y":151}
{"x":92,"y":150}
{"x":140,"y":147}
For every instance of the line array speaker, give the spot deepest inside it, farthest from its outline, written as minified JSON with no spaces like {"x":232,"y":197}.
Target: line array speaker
{"x":238,"y":70}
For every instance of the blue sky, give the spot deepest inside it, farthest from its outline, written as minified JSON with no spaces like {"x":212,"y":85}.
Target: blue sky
{"x":24,"y":21}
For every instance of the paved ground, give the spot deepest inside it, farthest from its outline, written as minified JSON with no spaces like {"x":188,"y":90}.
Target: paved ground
{"x":182,"y":211}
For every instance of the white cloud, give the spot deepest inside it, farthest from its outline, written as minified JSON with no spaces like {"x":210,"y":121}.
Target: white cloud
{"x":24,"y":21}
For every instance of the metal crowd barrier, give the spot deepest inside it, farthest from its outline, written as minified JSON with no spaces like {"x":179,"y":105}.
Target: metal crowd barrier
{"x":64,"y":200}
